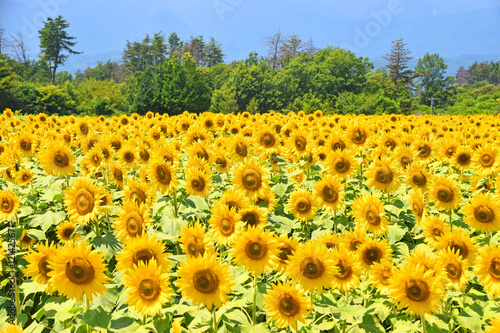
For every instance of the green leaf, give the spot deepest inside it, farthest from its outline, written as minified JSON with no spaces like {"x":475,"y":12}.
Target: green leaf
{"x":280,"y":189}
{"x":470,"y":317}
{"x":405,"y":326}
{"x":124,"y":324}
{"x":197,"y":203}
{"x":259,"y":328}
{"x":97,"y":318}
{"x":48,"y":219}
{"x":171,"y":226}
{"x":31,"y":287}
{"x":395,"y":233}
{"x":63,"y":311}
{"x":36,"y":234}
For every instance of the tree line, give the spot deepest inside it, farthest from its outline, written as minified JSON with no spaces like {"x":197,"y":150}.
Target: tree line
{"x":168,"y":75}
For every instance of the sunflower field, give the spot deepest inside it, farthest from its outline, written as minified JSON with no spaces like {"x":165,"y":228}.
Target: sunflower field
{"x":249,"y":223}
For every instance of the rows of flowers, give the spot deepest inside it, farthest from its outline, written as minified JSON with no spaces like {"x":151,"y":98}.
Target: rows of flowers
{"x":249,"y":223}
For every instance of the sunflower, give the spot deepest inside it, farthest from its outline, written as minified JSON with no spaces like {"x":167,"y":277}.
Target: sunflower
{"x":302,"y":205}
{"x":483,"y":212}
{"x":368,"y":211}
{"x":479,"y":183}
{"x":404,"y":156}
{"x":142,"y":248}
{"x":138,"y":192}
{"x":57,"y":159}
{"x":460,"y":240}
{"x":205,"y":280}
{"x":221,"y":163}
{"x":330,"y":240}
{"x":349,"y":269}
{"x":250,"y":177}
{"x":198,"y":163}
{"x":353,"y":239}
{"x":423,"y":255}
{"x":417,"y":176}
{"x":373,"y":251}
{"x":330,"y":193}
{"x":127,"y":156}
{"x":66,"y":232}
{"x":116,"y":175}
{"x":380,"y":276}
{"x":286,"y":304}
{"x":299,"y":145}
{"x":383,"y":174}
{"x":225,"y":224}
{"x":132,"y":221}
{"x":37,"y":267}
{"x":234,"y":198}
{"x":24,"y":144}
{"x":486,"y":159}
{"x":267,"y":199}
{"x":94,"y":159}
{"x":195,"y":241}
{"x":266,"y":140}
{"x":198,"y":182}
{"x":444,"y":193}
{"x":494,"y":325}
{"x":12,"y":328}
{"x":448,"y":148}
{"x":416,"y":289}
{"x":456,"y":268}
{"x":433,"y":227}
{"x":462,"y":159}
{"x":341,"y":163}
{"x":424,"y":148}
{"x":285,"y":249}
{"x":82,"y":201}
{"x":76,"y":270}
{"x":162,"y":175}
{"x":9,"y":205}
{"x":357,"y":135}
{"x":418,"y":204}
{"x":148,"y":287}
{"x":200,"y":149}
{"x":24,"y":177}
{"x":311,"y":265}
{"x":253,"y":216}
{"x":335,"y":141}
{"x":239,"y":148}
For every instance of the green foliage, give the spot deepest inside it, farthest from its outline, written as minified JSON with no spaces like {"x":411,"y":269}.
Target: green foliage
{"x":101,"y":97}
{"x":433,"y":83}
{"x":7,"y":84}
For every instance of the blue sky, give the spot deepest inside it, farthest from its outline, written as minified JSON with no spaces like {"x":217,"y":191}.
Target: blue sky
{"x":102,"y":27}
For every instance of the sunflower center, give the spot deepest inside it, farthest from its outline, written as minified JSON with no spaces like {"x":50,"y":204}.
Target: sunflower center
{"x":96,"y":159}
{"x":43,"y":266}
{"x":25,"y":144}
{"x":484,"y":214}
{"x":463,"y":159}
{"x":404,"y":161}
{"x":205,"y":281}
{"x":419,"y":179}
{"x":300,"y":143}
{"x":149,"y":289}
{"x":345,"y":270}
{"x":358,"y":136}
{"x":7,"y":205}
{"x":138,"y":195}
{"x":251,"y":180}
{"x":424,"y":151}
{"x":372,"y":216}
{"x":285,"y":252}
{"x":250,"y":219}
{"x":116,"y":144}
{"x":384,"y":175}
{"x":342,"y":165}
{"x":338,"y":145}
{"x":226,"y":227}
{"x":195,"y":246}
{"x":459,"y":246}
{"x":445,"y":194}
{"x":267,"y":140}
{"x":487,"y":160}
{"x":354,"y":244}
{"x":143,"y":255}
{"x":144,"y":155}
{"x":330,"y":194}
{"x":372,"y":255}
{"x":288,"y":305}
{"x":84,"y":201}
{"x":385,"y":276}
{"x":331,"y":245}
{"x":61,"y":159}
{"x":303,"y":205}
{"x":198,"y":184}
{"x":450,"y":151}
{"x":241,"y":149}
{"x":202,"y":153}
{"x":118,"y":174}
{"x":454,"y":270}
{"x":68,"y":231}
{"x":417,"y":290}
{"x":128,"y":157}
{"x":134,"y":223}
{"x":256,"y":250}
{"x":80,"y":271}
{"x":437,"y":232}
{"x":495,"y":268}
{"x":312,"y":268}
{"x":221,"y":161}
{"x":418,"y":208}
{"x":163,"y":174}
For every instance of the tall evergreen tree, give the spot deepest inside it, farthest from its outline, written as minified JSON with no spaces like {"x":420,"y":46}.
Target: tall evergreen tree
{"x":213,"y":53}
{"x":399,"y":72}
{"x":54,"y":40}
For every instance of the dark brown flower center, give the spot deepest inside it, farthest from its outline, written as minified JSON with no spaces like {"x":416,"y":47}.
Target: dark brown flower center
{"x":80,"y":271}
{"x":460,"y":247}
{"x":267,"y":140}
{"x":129,"y":157}
{"x":345,"y":270}
{"x":118,"y":174}
{"x":372,"y":255}
{"x":405,"y":161}
{"x":205,"y":281}
{"x":330,"y":194}
{"x":450,"y":151}
{"x":134,"y":223}
{"x":241,"y":149}
{"x":284,"y":252}
{"x":424,"y":151}
{"x":288,"y":305}
{"x":358,"y":136}
{"x":495,"y":268}
{"x":163,"y":174}
{"x":61,"y":159}
{"x":68,"y":231}
{"x":341,"y":165}
{"x":418,"y":178}
{"x":256,"y":250}
{"x":303,"y":205}
{"x":84,"y":202}
{"x":198,"y":183}
{"x":144,"y":154}
{"x":445,"y":193}
{"x":372,"y":216}
{"x":484,"y":214}
{"x":137,"y":195}
{"x":312,"y":268}
{"x":487,"y":160}
{"x":383,"y":174}
{"x":226,"y":227}
{"x":300,"y":143}
{"x":25,"y":144}
{"x":195,"y":246}
{"x":250,"y":219}
{"x":463,"y":159}
{"x":417,"y":290}
{"x":143,"y":255}
{"x":454,"y":270}
{"x":251,"y":180}
{"x":149,"y":289}
{"x":7,"y":205}
{"x":43,"y":266}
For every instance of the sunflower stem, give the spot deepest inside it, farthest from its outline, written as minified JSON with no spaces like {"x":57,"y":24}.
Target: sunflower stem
{"x":215,"y":324}
{"x":176,"y":209}
{"x":451,"y":225}
{"x":423,"y":324}
{"x":389,"y":213}
{"x":254,"y":309}
{"x":360,"y":183}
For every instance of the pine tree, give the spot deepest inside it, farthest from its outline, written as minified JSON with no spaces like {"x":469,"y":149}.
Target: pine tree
{"x":213,"y":53}
{"x":399,"y":72}
{"x":54,"y":40}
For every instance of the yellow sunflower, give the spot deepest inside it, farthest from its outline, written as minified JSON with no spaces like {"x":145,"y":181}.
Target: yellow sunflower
{"x":357,"y":135}
{"x":24,"y":177}
{"x":418,"y":290}
{"x":250,"y":177}
{"x":404,"y":156}
{"x":353,"y":239}
{"x":286,"y":304}
{"x":225,"y":224}
{"x":255,"y":249}
{"x":239,"y":148}
{"x":486,"y":159}
{"x":253,"y":216}
{"x":494,"y":325}
{"x":285,"y":249}
{"x":445,"y":193}
{"x":455,"y":267}
{"x":266,"y":140}
{"x":205,"y":280}
{"x":460,"y":240}
{"x":424,"y":148}
{"x":330,"y":240}
{"x":330,"y":193}
{"x":349,"y":269}
{"x":433,"y":227}
{"x":12,"y":328}
{"x":198,"y":182}
{"x":82,"y":201}
{"x":234,"y":198}
{"x":417,"y":176}
{"x":66,"y":232}
{"x":311,"y":265}
{"x":162,"y":175}
{"x":195,"y":241}
{"x":368,"y":211}
{"x":267,"y":199}
{"x":138,"y":192}
{"x":9,"y":205}
{"x":341,"y":163}
{"x":142,"y":248}
{"x":373,"y":251}
{"x":57,"y":159}
{"x":76,"y":270}
{"x":131,"y":221}
{"x":418,"y":204}
{"x":483,"y":212}
{"x":302,"y":205}
{"x":462,"y":159}
{"x":127,"y":156}
{"x":117,"y":175}
{"x":37,"y":268}
{"x":380,"y":276}
{"x":299,"y":145}
{"x":383,"y":174}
